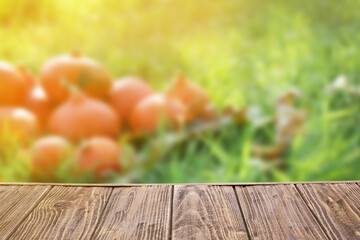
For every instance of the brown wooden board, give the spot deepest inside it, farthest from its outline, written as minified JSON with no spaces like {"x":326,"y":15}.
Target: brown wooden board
{"x":277,"y":212}
{"x":16,"y":202}
{"x":137,"y":213}
{"x":65,"y":213}
{"x":207,"y":212}
{"x":336,"y":206}
{"x":202,"y":211}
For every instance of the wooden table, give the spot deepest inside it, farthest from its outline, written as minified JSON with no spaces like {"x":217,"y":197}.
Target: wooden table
{"x":328,"y":210}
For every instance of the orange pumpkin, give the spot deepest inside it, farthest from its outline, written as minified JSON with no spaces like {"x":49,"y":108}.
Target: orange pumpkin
{"x":155,"y":110}
{"x":47,"y":154}
{"x":27,"y":75}
{"x":100,"y":155}
{"x":38,"y":103}
{"x":83,"y":117}
{"x":13,"y":86}
{"x":191,"y":95}
{"x":126,"y":93}
{"x":74,"y":69}
{"x":18,"y":122}
{"x":36,"y":99}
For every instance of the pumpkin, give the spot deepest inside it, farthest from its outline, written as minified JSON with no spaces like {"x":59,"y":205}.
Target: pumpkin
{"x":155,"y":110}
{"x":38,"y":103}
{"x":99,"y":155}
{"x":74,"y":69}
{"x":19,"y":122}
{"x":191,"y":95}
{"x":27,"y":75}
{"x":36,"y":99}
{"x":47,"y":154}
{"x":13,"y":86}
{"x":83,"y":117}
{"x":126,"y":93}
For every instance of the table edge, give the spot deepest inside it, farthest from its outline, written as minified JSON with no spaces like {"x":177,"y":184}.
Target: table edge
{"x":171,"y":184}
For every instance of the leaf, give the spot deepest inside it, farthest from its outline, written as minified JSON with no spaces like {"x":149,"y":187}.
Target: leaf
{"x":289,"y":121}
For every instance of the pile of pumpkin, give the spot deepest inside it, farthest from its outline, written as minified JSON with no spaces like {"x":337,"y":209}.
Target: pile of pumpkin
{"x":75,"y":110}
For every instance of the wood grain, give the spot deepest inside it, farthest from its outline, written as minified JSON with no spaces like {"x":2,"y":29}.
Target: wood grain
{"x":336,"y":206}
{"x":16,"y":202}
{"x":277,"y":212}
{"x":207,"y":212}
{"x":64,"y":213}
{"x":137,"y":213}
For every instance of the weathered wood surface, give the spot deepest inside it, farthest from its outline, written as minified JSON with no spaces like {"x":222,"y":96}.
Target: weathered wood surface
{"x":198,"y":211}
{"x":65,"y":214}
{"x":16,"y":202}
{"x":277,"y":212}
{"x":207,"y":212}
{"x":337,"y":207}
{"x":137,"y":213}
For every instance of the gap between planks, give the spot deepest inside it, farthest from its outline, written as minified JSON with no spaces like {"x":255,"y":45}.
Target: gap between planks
{"x":171,"y":212}
{"x":242,"y":212}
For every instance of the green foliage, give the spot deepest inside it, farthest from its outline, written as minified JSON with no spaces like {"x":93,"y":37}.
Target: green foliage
{"x":243,"y":52}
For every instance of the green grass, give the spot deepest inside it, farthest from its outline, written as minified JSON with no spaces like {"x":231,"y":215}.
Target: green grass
{"x":242,"y":52}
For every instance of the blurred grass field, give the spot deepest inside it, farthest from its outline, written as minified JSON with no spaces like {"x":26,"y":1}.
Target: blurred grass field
{"x":242,"y":52}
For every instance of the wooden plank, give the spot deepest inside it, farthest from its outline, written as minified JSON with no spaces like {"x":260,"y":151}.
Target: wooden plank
{"x":277,"y":212}
{"x":16,"y":202}
{"x":207,"y":212}
{"x":336,"y":206}
{"x":137,"y":213}
{"x":64,"y":213}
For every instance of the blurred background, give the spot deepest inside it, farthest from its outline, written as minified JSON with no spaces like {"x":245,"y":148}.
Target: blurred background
{"x":246,"y":54}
